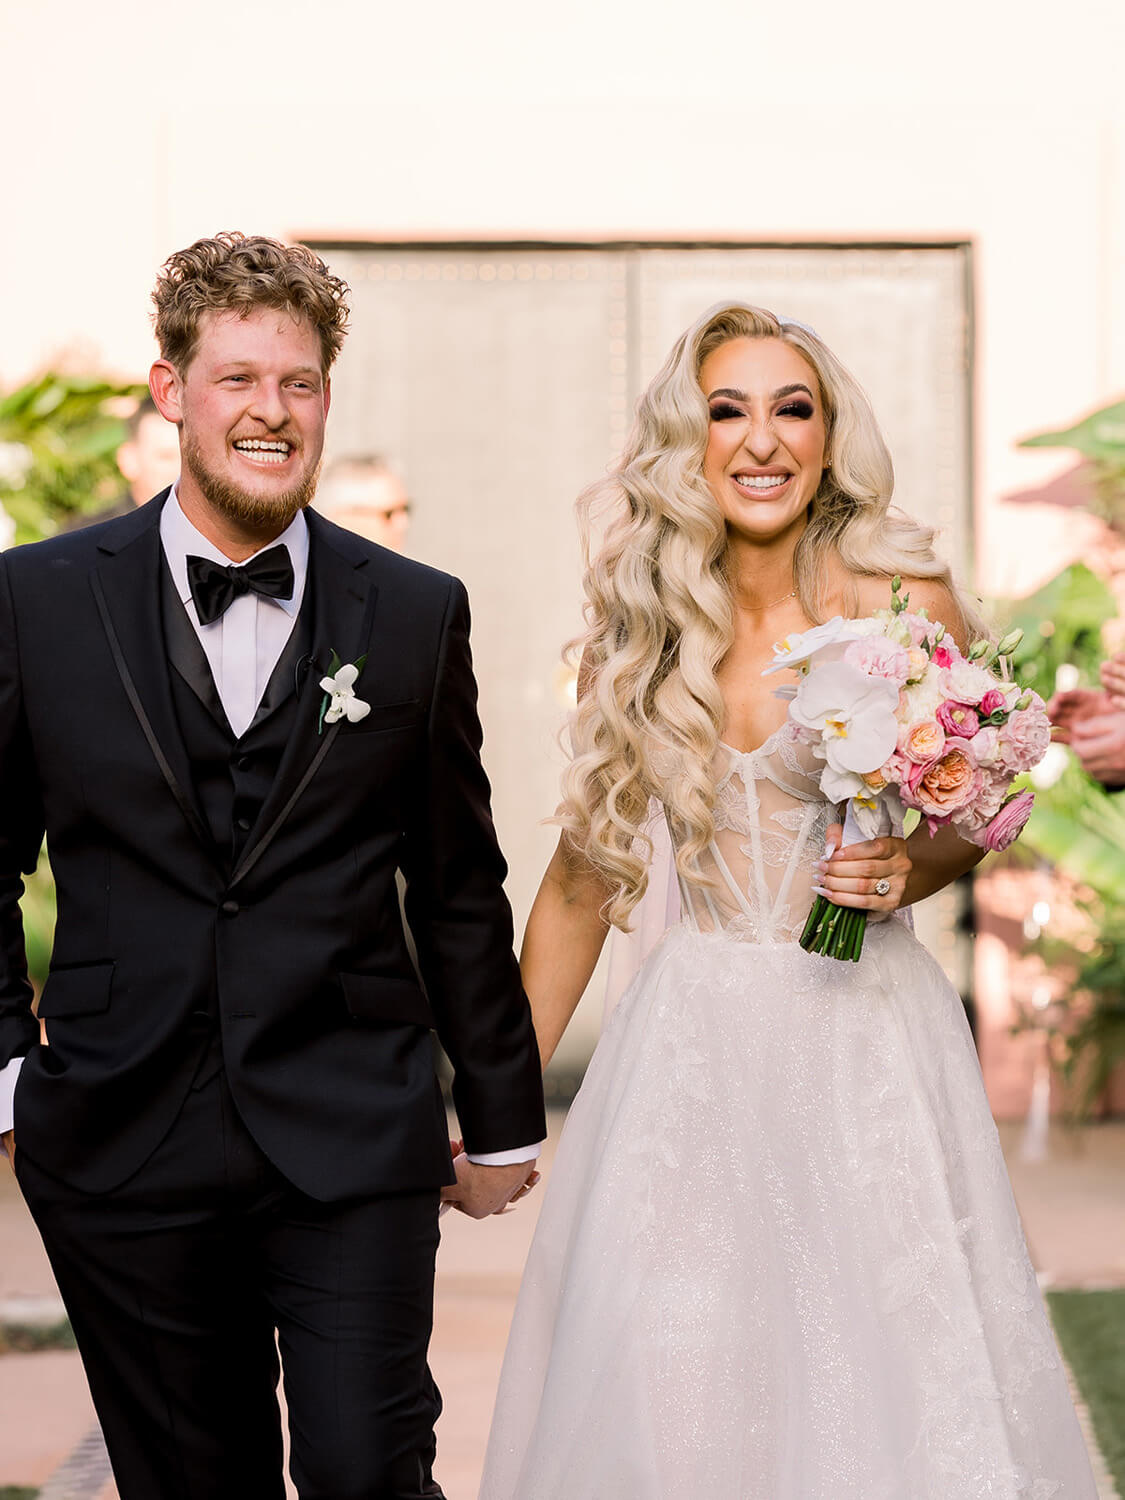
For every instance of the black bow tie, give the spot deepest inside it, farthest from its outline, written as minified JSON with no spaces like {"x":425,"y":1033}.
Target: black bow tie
{"x":215,"y":587}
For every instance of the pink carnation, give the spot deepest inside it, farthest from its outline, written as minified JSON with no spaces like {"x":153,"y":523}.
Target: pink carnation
{"x":878,"y":657}
{"x":989,"y":801}
{"x":1007,"y":825}
{"x":1025,"y":737}
{"x":958,"y":719}
{"x":920,"y":630}
{"x":985,"y":745}
{"x":964,"y":682}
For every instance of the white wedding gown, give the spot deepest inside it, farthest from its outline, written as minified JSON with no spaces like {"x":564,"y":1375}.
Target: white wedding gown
{"x":778,"y":1257}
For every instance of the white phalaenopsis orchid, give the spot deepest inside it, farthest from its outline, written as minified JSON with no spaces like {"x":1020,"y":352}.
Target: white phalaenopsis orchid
{"x":793,"y":652}
{"x":853,"y":713}
{"x":341,"y":690}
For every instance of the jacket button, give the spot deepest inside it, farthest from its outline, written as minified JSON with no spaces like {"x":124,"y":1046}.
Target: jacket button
{"x":230,"y":908}
{"x":244,"y":824}
{"x":245,"y":762}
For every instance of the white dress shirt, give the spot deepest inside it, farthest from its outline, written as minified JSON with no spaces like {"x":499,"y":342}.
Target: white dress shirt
{"x":244,"y":643}
{"x":242,"y":647}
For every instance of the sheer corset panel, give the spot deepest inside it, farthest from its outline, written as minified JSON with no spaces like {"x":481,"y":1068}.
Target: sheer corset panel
{"x":770,"y":826}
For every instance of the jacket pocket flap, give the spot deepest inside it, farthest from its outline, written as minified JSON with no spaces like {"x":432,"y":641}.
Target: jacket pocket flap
{"x":378,"y":997}
{"x":403,"y":715}
{"x":82,"y":991}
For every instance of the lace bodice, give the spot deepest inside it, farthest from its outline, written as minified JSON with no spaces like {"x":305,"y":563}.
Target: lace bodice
{"x":770,"y":826}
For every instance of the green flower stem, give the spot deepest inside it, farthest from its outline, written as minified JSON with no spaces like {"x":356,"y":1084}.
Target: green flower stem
{"x":813,"y":922}
{"x":844,"y":948}
{"x":858,"y":929}
{"x":834,"y":931}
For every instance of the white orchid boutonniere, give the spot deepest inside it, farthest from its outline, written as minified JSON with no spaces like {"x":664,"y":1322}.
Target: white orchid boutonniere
{"x":340,"y":701}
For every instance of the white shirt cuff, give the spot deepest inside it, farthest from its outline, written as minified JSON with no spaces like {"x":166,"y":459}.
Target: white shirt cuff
{"x":499,"y":1158}
{"x":8,"y":1077}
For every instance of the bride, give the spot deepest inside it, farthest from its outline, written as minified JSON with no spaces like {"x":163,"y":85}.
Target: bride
{"x":779,"y":1257}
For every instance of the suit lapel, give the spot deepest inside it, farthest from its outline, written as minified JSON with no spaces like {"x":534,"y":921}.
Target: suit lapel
{"x":127,"y":592}
{"x":186,"y":653}
{"x":343,"y":604}
{"x":292,"y":667}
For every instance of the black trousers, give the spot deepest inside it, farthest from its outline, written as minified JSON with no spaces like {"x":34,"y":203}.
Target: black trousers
{"x":175,"y":1284}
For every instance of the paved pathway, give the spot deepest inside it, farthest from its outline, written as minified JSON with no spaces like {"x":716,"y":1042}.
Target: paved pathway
{"x":1073,"y":1206}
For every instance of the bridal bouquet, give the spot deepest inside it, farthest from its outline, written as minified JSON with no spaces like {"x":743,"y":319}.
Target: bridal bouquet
{"x":910,"y":730}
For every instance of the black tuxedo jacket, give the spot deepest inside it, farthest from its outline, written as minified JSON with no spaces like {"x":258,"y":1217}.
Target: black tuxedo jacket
{"x":293,"y":946}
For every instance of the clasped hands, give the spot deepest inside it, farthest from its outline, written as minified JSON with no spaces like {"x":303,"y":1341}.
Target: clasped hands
{"x":482,"y":1190}
{"x":853,"y":875}
{"x":1092,"y":722}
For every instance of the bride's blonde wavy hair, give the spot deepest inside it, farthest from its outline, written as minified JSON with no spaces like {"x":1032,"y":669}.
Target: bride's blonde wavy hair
{"x":659,"y":610}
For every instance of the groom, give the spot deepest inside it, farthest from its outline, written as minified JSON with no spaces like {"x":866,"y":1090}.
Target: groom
{"x":233,"y":1127}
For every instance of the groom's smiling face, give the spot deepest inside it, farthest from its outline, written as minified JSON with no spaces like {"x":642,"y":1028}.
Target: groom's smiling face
{"x":251,"y":405}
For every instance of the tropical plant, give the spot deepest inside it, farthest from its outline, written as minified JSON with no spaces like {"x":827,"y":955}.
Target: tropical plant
{"x":1100,"y":439}
{"x":1087,"y":1028}
{"x":1062,"y":625}
{"x":58,"y":437}
{"x":1077,"y":825}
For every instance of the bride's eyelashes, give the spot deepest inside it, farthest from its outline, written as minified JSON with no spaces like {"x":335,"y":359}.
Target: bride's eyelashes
{"x":723,"y":411}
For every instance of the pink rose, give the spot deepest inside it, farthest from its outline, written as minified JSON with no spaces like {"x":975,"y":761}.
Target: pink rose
{"x":945,"y":786}
{"x":991,"y":701}
{"x":878,"y":657}
{"x":1025,"y":737}
{"x":1007,"y":825}
{"x":958,"y":719}
{"x":943,"y":656}
{"x":922,"y":742}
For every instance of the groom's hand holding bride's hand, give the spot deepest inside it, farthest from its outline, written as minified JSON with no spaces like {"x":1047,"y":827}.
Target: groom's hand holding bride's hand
{"x":481,"y":1190}
{"x":849,"y":876}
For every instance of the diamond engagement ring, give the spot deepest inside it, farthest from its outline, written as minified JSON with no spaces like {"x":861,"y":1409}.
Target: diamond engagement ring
{"x":882,"y":886}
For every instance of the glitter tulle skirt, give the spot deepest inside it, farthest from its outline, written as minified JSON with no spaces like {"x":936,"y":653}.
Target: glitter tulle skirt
{"x":778,"y":1256}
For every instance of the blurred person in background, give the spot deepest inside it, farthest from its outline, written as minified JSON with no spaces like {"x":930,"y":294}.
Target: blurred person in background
{"x":365,"y":494}
{"x":1092,"y":722}
{"x":148,"y":459}
{"x":779,"y":1257}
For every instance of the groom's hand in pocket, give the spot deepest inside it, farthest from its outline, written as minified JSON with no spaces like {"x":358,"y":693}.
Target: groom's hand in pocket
{"x":480,"y":1190}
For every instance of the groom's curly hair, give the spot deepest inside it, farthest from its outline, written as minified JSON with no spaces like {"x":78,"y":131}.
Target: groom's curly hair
{"x":233,"y":272}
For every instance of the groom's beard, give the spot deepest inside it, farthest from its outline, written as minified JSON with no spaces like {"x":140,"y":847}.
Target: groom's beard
{"x":243,"y":506}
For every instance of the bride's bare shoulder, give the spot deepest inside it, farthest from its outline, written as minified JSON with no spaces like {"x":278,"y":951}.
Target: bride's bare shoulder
{"x":930,"y":594}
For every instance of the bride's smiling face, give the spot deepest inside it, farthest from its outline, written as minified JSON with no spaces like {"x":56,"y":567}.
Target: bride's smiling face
{"x":767,"y":435}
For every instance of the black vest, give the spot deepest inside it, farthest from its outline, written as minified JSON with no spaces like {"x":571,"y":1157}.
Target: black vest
{"x":231,"y":776}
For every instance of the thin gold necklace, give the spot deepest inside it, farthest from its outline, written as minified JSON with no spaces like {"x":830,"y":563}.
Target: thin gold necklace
{"x":776,"y":602}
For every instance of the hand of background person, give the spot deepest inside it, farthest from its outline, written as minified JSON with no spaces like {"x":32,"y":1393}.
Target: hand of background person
{"x":482,"y":1190}
{"x":1075,"y":706}
{"x":8,"y":1141}
{"x":1099,"y":744}
{"x":849,"y":875}
{"x":1113,"y":678}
